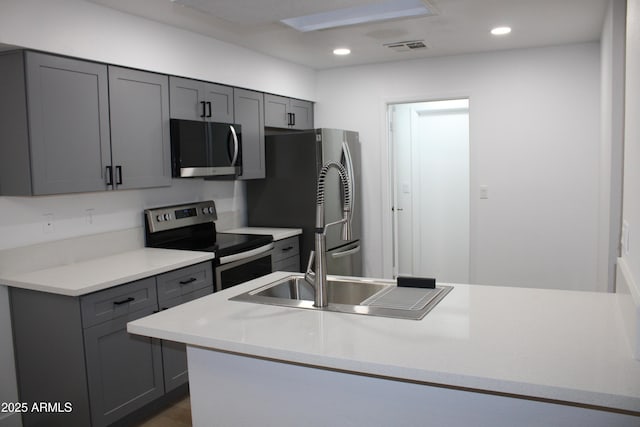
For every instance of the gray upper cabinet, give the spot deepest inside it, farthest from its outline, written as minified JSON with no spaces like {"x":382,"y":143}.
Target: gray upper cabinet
{"x":69,"y":126}
{"x":198,"y":100}
{"x":249,"y":113}
{"x":54,"y":116}
{"x":302,"y":114}
{"x":140,"y":139}
{"x":283,"y":112}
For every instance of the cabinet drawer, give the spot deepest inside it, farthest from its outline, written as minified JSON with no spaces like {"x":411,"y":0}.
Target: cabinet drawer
{"x":181,"y":299}
{"x":119,"y":301}
{"x":184,"y":281}
{"x":285,"y":248}
{"x":289,"y":264}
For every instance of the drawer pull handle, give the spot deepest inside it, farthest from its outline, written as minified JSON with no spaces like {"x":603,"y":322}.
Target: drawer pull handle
{"x":186,"y":282}
{"x":287,"y":249}
{"x":124,"y":301}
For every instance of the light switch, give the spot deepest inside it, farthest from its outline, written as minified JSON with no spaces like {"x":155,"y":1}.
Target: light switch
{"x":484,"y":191}
{"x":624,"y":241}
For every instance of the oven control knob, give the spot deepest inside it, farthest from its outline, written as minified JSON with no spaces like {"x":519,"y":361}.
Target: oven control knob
{"x":160,"y":218}
{"x":205,"y":210}
{"x":210,"y":209}
{"x":167,"y":217}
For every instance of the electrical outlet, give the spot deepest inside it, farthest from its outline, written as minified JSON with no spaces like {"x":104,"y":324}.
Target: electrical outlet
{"x":48,"y":225}
{"x":88,"y":215}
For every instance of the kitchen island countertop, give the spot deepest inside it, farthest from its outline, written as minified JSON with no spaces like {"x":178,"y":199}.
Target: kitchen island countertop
{"x":566,"y":347}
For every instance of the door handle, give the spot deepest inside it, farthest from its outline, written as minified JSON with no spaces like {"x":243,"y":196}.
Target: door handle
{"x":236,"y":146}
{"x":346,"y":253}
{"x":109,"y":176}
{"x":204,"y":111}
{"x":118,"y":175}
{"x":208,"y":108}
{"x":124,"y":301}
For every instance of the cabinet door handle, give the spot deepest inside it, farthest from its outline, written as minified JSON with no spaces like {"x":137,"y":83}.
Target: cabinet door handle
{"x":109,"y":175}
{"x":118,"y":175}
{"x":208,"y":109}
{"x":186,"y":282}
{"x":287,"y":249}
{"x":124,"y":301}
{"x":204,"y":109}
{"x":293,"y":119}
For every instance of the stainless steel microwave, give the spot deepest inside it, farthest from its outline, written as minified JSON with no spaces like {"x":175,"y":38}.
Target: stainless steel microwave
{"x":205,"y":149}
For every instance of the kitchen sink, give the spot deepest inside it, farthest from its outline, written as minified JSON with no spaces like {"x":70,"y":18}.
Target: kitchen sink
{"x":353,"y":295}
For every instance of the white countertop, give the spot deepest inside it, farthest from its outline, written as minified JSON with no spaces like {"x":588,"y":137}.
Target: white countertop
{"x":561,"y":345}
{"x":277,"y":233}
{"x":84,"y":277}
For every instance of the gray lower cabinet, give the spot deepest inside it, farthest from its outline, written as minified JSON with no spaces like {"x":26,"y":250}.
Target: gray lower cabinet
{"x":198,"y":100}
{"x":290,"y":113}
{"x":286,"y":255}
{"x":249,"y":113}
{"x":77,"y":349}
{"x":54,"y":125}
{"x":175,"y":288}
{"x":124,"y":371}
{"x":140,"y":136}
{"x":174,"y":354}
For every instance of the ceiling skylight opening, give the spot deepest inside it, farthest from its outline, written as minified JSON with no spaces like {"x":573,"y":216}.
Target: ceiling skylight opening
{"x":501,"y":31}
{"x":390,"y":9}
{"x":341,"y":51}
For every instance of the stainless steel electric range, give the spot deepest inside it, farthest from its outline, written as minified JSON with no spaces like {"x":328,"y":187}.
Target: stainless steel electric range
{"x":238,"y":257}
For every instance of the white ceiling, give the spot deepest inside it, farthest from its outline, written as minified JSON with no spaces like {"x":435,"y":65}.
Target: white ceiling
{"x":459,"y":26}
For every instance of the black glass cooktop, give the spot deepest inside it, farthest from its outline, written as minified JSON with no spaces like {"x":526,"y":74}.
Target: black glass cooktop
{"x":203,"y":237}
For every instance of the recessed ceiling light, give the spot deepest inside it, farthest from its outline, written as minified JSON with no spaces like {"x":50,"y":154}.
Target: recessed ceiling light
{"x":341,"y":51}
{"x":390,"y":9}
{"x":501,"y":31}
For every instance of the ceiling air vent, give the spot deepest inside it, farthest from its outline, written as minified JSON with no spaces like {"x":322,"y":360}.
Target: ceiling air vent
{"x":406,"y":46}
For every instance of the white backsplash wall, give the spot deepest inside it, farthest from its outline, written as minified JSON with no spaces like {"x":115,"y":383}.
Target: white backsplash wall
{"x":24,"y":220}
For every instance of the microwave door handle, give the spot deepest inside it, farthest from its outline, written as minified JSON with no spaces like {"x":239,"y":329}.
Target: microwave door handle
{"x":236,"y":146}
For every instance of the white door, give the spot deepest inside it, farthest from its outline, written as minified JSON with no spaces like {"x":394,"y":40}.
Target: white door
{"x":430,"y":143}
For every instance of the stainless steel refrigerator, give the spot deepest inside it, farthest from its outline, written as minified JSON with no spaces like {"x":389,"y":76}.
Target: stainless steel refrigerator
{"x":287,"y":196}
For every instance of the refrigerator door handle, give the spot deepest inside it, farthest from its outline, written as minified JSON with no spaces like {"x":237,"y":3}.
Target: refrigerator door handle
{"x":349,"y":167}
{"x":346,"y":253}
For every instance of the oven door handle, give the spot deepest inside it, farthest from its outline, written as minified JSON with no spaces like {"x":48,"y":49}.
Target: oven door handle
{"x":246,"y":254}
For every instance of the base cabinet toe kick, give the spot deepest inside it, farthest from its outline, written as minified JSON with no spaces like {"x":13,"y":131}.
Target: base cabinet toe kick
{"x":74,"y":353}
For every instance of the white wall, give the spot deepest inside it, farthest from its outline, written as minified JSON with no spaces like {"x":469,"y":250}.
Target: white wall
{"x":86,"y":30}
{"x":631,"y":195}
{"x":611,"y":140}
{"x":534,"y":135}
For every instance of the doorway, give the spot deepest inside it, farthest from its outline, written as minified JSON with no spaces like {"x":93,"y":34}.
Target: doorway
{"x":430,"y":189}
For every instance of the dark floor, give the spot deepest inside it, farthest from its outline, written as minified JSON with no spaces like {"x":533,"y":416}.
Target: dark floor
{"x":176,"y":415}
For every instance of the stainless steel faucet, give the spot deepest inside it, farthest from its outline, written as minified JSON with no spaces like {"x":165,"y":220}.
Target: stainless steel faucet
{"x":317,"y":257}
